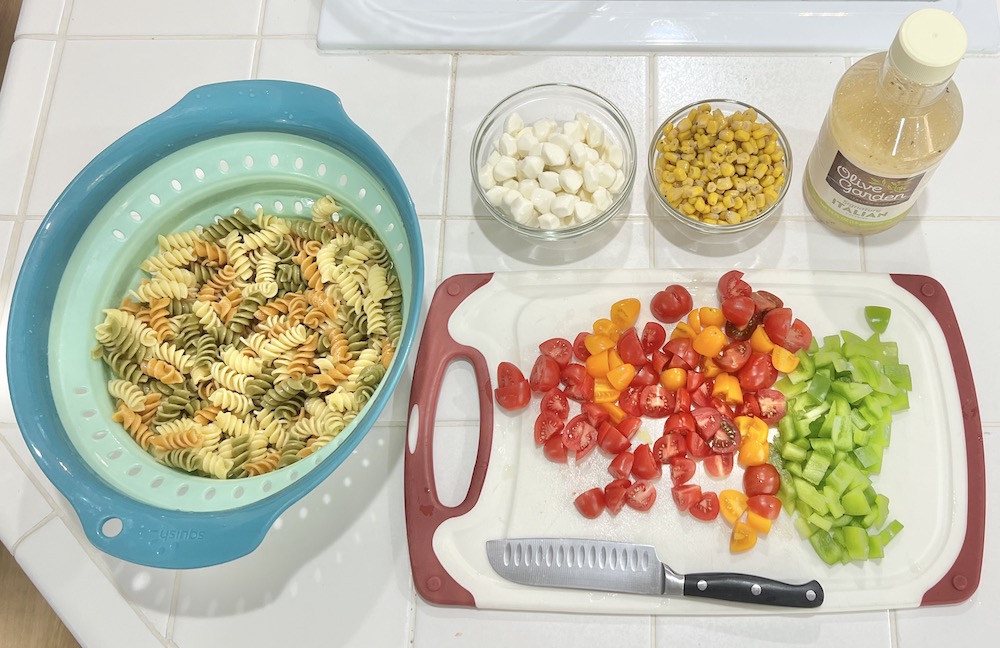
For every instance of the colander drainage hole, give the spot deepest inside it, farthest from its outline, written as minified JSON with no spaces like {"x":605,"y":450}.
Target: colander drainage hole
{"x":362,"y":192}
{"x":378,"y":210}
{"x":299,"y":163}
{"x":248,"y":161}
{"x":279,"y":206}
{"x":223,"y":166}
{"x":299,"y":206}
{"x":136,"y":216}
{"x":389,"y":228}
{"x":343,"y":181}
{"x":88,"y":414}
{"x":182,"y":491}
{"x":111,"y":527}
{"x":199,"y":173}
{"x":114,"y":454}
{"x":321,"y":170}
{"x":266,"y":487}
{"x":134,"y":470}
{"x":153,"y":198}
{"x":80,"y":391}
{"x":210,"y":494}
{"x":156,"y":483}
{"x":176,"y":185}
{"x":118,"y":234}
{"x":274,"y":160}
{"x":238,"y":493}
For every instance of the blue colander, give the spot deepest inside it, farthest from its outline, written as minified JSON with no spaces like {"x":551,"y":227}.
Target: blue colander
{"x":243,"y":144}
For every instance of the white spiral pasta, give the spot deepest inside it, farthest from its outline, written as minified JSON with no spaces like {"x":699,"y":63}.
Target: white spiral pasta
{"x":129,"y":393}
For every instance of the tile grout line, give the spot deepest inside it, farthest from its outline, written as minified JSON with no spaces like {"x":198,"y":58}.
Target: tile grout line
{"x":449,"y":124}
{"x":258,"y":41}
{"x":651,"y":84}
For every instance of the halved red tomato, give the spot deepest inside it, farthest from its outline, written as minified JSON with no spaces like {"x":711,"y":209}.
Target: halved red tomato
{"x":682,"y":354}
{"x":772,"y":405}
{"x":513,"y":391}
{"x":580,"y":349}
{"x":719,"y":465}
{"x":653,"y":336}
{"x":750,"y":407}
{"x":707,"y":421}
{"x":776,"y":323}
{"x":614,"y":495}
{"x":629,"y":425}
{"x":555,"y":401}
{"x":668,"y":446}
{"x":686,"y":495}
{"x":767,"y":506}
{"x":731,"y":284}
{"x":698,"y":447}
{"x":621,"y":465}
{"x":671,"y":304}
{"x":727,"y":438}
{"x":546,"y":425}
{"x":559,"y":349}
{"x":799,"y":336}
{"x":681,"y":421}
{"x":706,"y":508}
{"x":681,"y":470}
{"x":630,"y":348}
{"x":644,"y":464}
{"x":734,"y":356}
{"x":683,"y":400}
{"x":629,"y":401}
{"x":577,"y":383}
{"x":580,"y":436}
{"x":595,"y":413}
{"x":646,"y":375}
{"x":764,"y":301}
{"x":641,"y":496}
{"x":610,"y":439}
{"x":544,"y":374}
{"x":590,"y":503}
{"x":761,"y":480}
{"x":758,"y":373}
{"x":554,"y":449}
{"x":738,"y":310}
{"x":656,"y":401}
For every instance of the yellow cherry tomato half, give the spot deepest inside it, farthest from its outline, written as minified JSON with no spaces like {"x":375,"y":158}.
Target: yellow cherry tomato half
{"x":753,"y":453}
{"x":727,"y":387}
{"x":598,"y":364}
{"x":784,"y":360}
{"x":683,"y":329}
{"x":711,"y":316}
{"x":617,"y":413}
{"x":694,"y":320}
{"x":596,"y":343}
{"x":604,"y":392}
{"x":621,"y":376}
{"x":758,"y":523}
{"x":732,"y":504}
{"x":674,"y":378}
{"x":607,"y":328}
{"x":625,"y":313}
{"x":710,"y":341}
{"x":759,"y":341}
{"x":743,"y":538}
{"x":751,"y":427}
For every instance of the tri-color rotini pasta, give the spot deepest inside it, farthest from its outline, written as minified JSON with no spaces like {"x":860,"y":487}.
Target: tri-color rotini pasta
{"x":252,"y":343}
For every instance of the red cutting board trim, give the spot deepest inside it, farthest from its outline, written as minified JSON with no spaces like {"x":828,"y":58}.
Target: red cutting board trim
{"x":962,"y":580}
{"x":424,"y":510}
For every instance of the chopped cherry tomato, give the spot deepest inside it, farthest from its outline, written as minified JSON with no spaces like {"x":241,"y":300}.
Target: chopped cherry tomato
{"x":733,"y":504}
{"x":604,"y":391}
{"x":711,"y":316}
{"x":577,"y":383}
{"x":751,"y":407}
{"x":727,"y":389}
{"x":606,"y":328}
{"x":760,"y":342}
{"x":744,"y":332}
{"x":555,"y":401}
{"x":625,"y":312}
{"x":658,"y":361}
{"x":596,"y":343}
{"x":738,"y":310}
{"x":673,"y":378}
{"x":621,"y":465}
{"x":656,"y":401}
{"x":595,"y":413}
{"x":653,"y":336}
{"x":641,"y":496}
{"x":731,"y":284}
{"x":559,"y":349}
{"x":671,"y":303}
{"x":598,"y":364}
{"x":590,"y":503}
{"x":668,"y":446}
{"x":513,"y":391}
{"x":645,"y":376}
{"x":579,"y":436}
{"x":743,"y":538}
{"x":707,"y":421}
{"x":753,"y":452}
{"x":546,"y":425}
{"x":764,"y":301}
{"x":758,"y":523}
{"x":616,"y":413}
{"x":682,"y":353}
{"x":681,"y":470}
{"x":580,"y":346}
{"x":610,"y":439}
{"x":734,"y":356}
{"x":772,"y":405}
{"x":614,"y":495}
{"x":784,"y":360}
{"x":554,"y":449}
{"x":710,"y":342}
{"x":683,"y":400}
{"x":767,"y":506}
{"x":544,"y":374}
{"x":698,"y":447}
{"x":776,"y":323}
{"x":799,"y":336}
{"x":758,"y":373}
{"x":682,"y":422}
{"x":629,"y":401}
{"x":726,"y":439}
{"x":621,"y":376}
{"x":686,"y":495}
{"x":761,"y":480}
{"x":630,"y":348}
{"x":707,"y":508}
{"x":719,"y":465}
{"x":629,"y":425}
{"x":644,"y":464}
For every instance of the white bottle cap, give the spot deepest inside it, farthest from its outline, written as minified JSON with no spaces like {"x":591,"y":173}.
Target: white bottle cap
{"x":928,"y":46}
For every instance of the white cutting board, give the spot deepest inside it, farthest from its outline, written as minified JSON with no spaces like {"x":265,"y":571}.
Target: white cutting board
{"x":518,"y":493}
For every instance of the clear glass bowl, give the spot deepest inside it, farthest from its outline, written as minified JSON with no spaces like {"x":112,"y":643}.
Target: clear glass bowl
{"x":728,"y":107}
{"x":561,"y":103}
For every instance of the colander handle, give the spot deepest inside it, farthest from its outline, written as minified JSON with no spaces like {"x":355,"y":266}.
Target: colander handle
{"x":424,"y":510}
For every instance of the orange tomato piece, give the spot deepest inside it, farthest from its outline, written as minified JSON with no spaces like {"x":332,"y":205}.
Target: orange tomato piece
{"x":710,"y":341}
{"x":727,"y":387}
{"x":743,"y":538}
{"x":759,"y":341}
{"x":732,"y":504}
{"x":758,"y":523}
{"x":694,"y":320}
{"x":683,"y":329}
{"x":784,"y":360}
{"x":614,"y":360}
{"x":673,"y":378}
{"x":625,"y":313}
{"x":607,"y":328}
{"x":710,"y":367}
{"x":754,"y":453}
{"x":711,"y":316}
{"x":598,"y":364}
{"x":751,"y":427}
{"x":621,"y":376}
{"x":596,"y":343}
{"x":617,"y":413}
{"x":604,"y":392}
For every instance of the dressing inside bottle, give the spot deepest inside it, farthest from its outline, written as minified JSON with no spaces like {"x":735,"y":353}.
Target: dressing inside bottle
{"x":893,"y":117}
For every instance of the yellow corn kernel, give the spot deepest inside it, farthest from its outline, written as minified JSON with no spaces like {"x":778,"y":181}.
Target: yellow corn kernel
{"x":777,"y":155}
{"x":749,"y":146}
{"x":712,"y":198}
{"x":712,"y":127}
{"x":727,"y":135}
{"x":694,"y":192}
{"x":687,"y":209}
{"x":724,"y":183}
{"x":741,"y":136}
{"x":761,"y":131}
{"x":767,"y":181}
{"x":727,"y":169}
{"x":711,"y":221}
{"x":733,"y":218}
{"x":679,"y":174}
{"x":728,"y":202}
{"x":760,"y":171}
{"x":684,"y":125}
{"x":760,"y":200}
{"x":700,"y":205}
{"x":770,"y":196}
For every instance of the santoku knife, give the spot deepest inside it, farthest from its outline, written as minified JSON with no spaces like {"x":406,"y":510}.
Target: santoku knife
{"x":633,"y":569}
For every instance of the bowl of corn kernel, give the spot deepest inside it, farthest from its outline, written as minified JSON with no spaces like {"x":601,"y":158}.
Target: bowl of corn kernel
{"x":719,"y":165}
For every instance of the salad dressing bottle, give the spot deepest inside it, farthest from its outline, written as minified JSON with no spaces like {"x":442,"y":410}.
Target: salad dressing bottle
{"x":893,"y":117}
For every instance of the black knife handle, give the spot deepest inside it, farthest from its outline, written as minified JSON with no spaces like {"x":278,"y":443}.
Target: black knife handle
{"x":744,"y":588}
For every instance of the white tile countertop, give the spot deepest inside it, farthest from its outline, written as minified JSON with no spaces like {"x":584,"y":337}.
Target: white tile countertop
{"x":334,"y":570}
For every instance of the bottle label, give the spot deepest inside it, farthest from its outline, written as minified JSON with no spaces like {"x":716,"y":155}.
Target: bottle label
{"x":860,"y":196}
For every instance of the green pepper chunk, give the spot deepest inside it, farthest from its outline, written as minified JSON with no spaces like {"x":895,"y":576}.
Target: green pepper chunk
{"x":878,"y":317}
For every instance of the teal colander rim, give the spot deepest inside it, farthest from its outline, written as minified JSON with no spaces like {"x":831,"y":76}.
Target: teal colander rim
{"x":154,"y":531}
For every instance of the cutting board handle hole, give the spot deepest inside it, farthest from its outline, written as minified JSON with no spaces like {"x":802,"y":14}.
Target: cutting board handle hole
{"x":456,"y":433}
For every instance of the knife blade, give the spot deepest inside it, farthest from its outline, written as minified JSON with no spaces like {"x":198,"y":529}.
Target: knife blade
{"x":633,"y":569}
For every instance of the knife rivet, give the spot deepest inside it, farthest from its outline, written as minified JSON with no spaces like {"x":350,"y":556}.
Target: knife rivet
{"x":755,"y":589}
{"x":434,"y":583}
{"x":810,"y":595}
{"x":702,"y":585}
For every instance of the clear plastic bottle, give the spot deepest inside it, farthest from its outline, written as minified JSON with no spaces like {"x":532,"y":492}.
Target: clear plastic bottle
{"x":893,"y":117}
